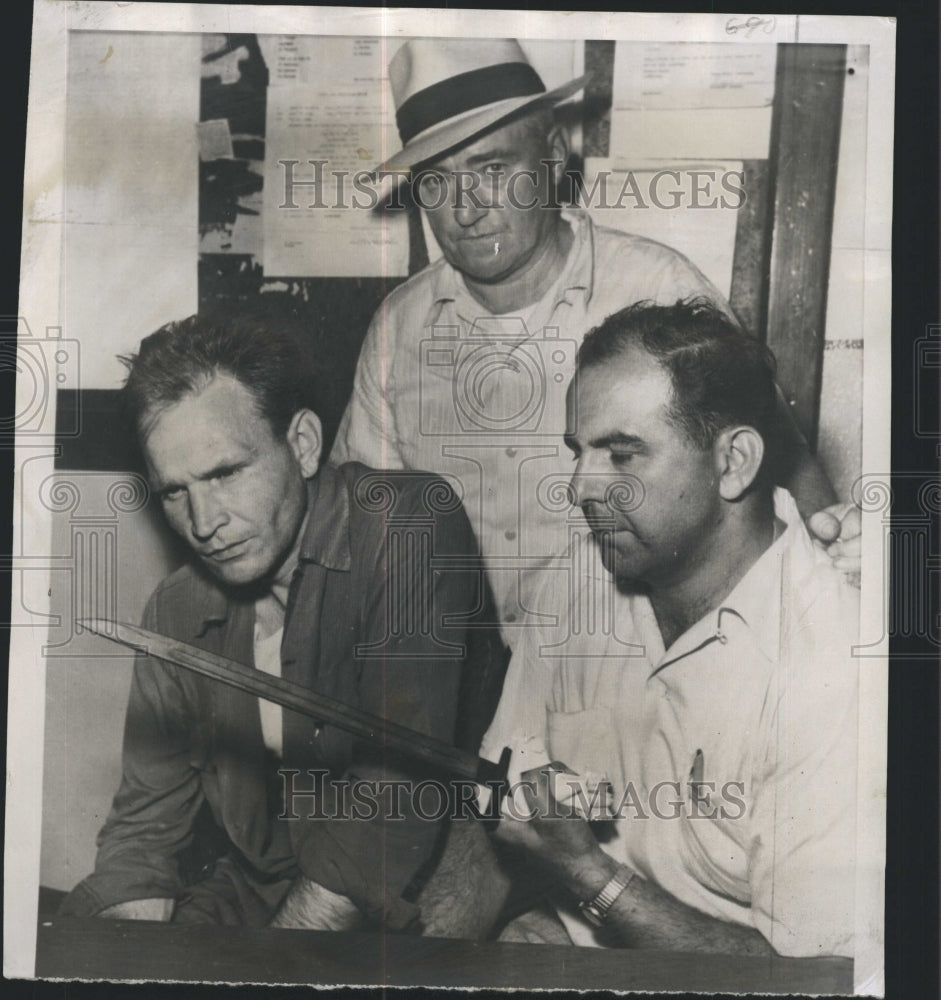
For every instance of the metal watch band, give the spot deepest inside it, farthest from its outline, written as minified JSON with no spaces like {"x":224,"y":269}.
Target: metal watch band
{"x":595,"y":910}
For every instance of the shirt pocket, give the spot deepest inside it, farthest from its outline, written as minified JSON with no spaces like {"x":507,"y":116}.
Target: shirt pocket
{"x":586,"y":741}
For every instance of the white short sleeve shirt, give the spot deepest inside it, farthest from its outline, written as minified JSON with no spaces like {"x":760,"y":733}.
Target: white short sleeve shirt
{"x":732,"y":754}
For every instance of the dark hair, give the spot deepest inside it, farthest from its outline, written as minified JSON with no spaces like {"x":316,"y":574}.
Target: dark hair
{"x":721,"y":376}
{"x":183,"y":356}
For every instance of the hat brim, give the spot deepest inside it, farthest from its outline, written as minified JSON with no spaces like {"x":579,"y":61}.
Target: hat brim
{"x":456,"y":131}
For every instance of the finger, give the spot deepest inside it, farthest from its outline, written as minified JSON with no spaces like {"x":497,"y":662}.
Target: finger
{"x":851,"y":524}
{"x":848,"y":564}
{"x":849,"y":547}
{"x":586,"y":796}
{"x":824,"y":525}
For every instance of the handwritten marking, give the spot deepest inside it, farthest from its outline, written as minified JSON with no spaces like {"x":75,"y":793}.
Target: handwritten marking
{"x":751,"y":25}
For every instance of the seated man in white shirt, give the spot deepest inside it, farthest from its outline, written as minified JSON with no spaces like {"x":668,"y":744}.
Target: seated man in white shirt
{"x":704,"y":671}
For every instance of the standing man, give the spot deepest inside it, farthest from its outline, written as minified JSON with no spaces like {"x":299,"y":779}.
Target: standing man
{"x":464,"y":368}
{"x":726,"y":731}
{"x":294,"y":569}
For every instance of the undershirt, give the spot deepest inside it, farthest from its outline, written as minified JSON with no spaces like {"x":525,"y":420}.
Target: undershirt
{"x":267,"y":654}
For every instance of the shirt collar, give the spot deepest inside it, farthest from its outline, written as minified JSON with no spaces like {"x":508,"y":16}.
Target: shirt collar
{"x":326,"y":541}
{"x":327,"y":533}
{"x":449,"y":286}
{"x":756,"y":600}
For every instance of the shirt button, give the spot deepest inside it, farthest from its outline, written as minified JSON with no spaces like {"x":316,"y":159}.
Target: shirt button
{"x":510,"y":618}
{"x":509,"y":535}
{"x":511,"y":452}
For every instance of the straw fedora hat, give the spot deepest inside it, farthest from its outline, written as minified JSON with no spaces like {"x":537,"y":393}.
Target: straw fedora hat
{"x":447,"y":90}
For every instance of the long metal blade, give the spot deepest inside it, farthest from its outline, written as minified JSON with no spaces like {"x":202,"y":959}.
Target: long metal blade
{"x":365,"y":725}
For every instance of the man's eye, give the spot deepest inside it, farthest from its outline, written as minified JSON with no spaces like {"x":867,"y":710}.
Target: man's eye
{"x":430,"y":183}
{"x":622,"y":457}
{"x":223,"y":474}
{"x":171,"y":493}
{"x":495,"y":168}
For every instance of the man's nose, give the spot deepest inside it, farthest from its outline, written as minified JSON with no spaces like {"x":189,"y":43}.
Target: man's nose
{"x":469,"y":205}
{"x":207,"y":515}
{"x":586,"y":486}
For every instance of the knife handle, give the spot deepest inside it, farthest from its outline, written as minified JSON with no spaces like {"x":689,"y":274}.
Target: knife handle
{"x":494,"y":777}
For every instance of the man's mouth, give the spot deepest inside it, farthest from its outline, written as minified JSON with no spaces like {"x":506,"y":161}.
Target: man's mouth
{"x":225,"y":552}
{"x":601,"y":525}
{"x":609,"y":529}
{"x":478,"y":237}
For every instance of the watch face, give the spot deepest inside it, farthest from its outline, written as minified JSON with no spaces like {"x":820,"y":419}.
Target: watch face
{"x":591,"y":914}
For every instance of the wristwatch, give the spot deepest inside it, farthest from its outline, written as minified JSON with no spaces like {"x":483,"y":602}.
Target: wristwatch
{"x":596,"y":910}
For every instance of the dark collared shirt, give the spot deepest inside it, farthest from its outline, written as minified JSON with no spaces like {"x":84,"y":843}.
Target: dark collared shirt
{"x":370,"y":622}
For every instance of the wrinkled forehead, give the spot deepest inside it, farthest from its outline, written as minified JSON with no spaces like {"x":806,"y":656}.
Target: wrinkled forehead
{"x":630,"y":382}
{"x":218,"y":400}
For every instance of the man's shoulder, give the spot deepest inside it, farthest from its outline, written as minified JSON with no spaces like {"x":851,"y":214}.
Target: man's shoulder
{"x":644,"y":269}
{"x":610,"y":243}
{"x":182,"y":600}
{"x":820,"y":623}
{"x":399,"y":496}
{"x":812,"y":582}
{"x":825,"y":602}
{"x":415,"y":294}
{"x":403,"y":516}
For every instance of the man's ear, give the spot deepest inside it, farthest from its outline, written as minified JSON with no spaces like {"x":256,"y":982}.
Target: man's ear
{"x":305,"y":439}
{"x":738,"y":452}
{"x":558,"y":146}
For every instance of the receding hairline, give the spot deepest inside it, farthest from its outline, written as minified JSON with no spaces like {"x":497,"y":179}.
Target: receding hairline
{"x":202,"y":381}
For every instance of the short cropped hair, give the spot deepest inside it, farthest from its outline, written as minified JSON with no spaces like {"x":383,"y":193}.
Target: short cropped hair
{"x":721,"y":376}
{"x":182,"y":357}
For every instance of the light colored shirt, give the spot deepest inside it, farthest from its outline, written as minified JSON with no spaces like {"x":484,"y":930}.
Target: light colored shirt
{"x":443,"y":385}
{"x":757,"y":700}
{"x":267,"y":652}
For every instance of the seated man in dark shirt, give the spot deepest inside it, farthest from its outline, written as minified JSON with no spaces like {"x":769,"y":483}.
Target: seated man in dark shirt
{"x":296,"y":570}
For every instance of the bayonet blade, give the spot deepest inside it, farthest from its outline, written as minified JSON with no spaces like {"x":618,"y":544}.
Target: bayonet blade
{"x":295,"y":697}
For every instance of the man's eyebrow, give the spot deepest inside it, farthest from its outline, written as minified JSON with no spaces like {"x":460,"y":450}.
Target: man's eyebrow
{"x":160,"y":486}
{"x":618,"y":438}
{"x":497,"y":153}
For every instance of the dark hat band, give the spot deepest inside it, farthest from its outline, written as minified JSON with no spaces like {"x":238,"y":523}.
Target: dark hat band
{"x":464,"y":92}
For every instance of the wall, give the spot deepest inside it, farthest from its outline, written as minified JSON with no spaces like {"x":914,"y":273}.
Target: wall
{"x":839,"y":442}
{"x":131,"y":196}
{"x":130,"y":265}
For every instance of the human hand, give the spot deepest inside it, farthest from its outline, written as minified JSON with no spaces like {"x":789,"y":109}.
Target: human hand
{"x":839,"y":527}
{"x":548,"y":817}
{"x":587,"y":795}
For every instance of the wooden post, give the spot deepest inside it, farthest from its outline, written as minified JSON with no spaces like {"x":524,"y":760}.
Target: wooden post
{"x":805,"y":141}
{"x":751,"y":261}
